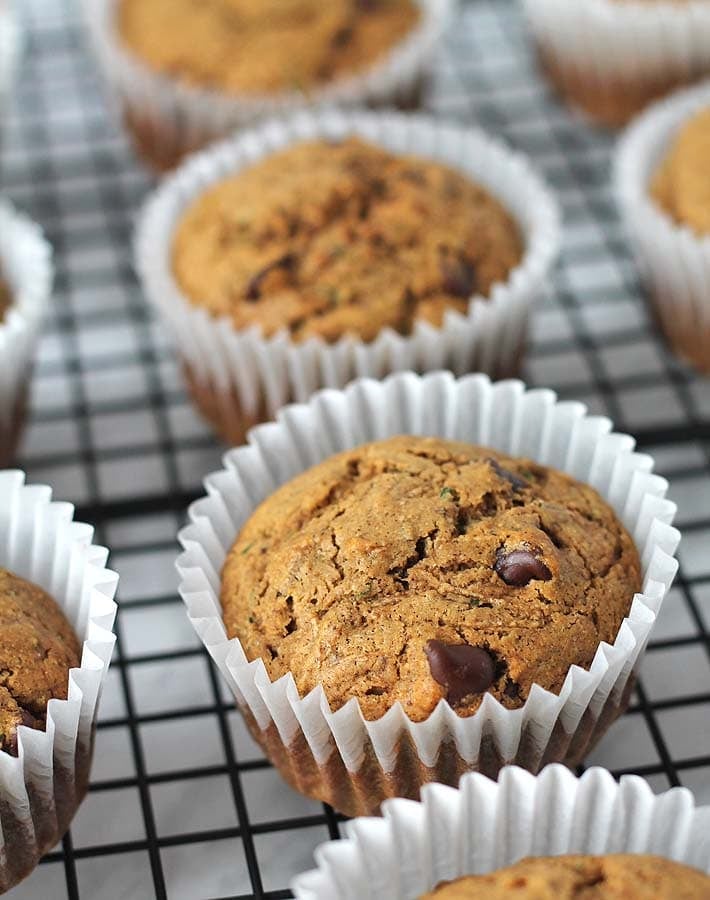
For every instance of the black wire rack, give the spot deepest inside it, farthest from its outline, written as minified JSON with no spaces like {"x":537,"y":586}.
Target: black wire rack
{"x":182,"y":803}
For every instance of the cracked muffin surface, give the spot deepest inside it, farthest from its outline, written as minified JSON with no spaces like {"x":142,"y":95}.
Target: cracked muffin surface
{"x":327,"y":239}
{"x":416,"y":569}
{"x":611,"y":877}
{"x":263,"y":46}
{"x":38,"y":647}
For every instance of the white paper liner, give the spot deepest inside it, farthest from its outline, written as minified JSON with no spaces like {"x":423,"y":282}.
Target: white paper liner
{"x":40,"y":788}
{"x":176,"y":118}
{"x":10,"y":45}
{"x":502,"y":415}
{"x":673,"y":260}
{"x":264,"y":373}
{"x":623,"y":51}
{"x":486,"y":826}
{"x":26,"y":267}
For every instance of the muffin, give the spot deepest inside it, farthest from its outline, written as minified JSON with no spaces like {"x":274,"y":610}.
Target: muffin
{"x":331,"y":252}
{"x":681,"y":184}
{"x":555,"y":822}
{"x":25,"y":285}
{"x":611,"y":58}
{"x":187,"y":73}
{"x":326,"y":240}
{"x":663,"y":190}
{"x":37,"y":651}
{"x":570,"y":877}
{"x":416,"y":570}
{"x":52,"y":600}
{"x":391,"y":609}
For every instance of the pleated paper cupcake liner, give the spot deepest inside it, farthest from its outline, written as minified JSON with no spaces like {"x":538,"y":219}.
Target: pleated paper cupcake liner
{"x":339,"y":756}
{"x":610,"y":59}
{"x":41,"y":788}
{"x":168,"y":119}
{"x":26,"y":268}
{"x":673,"y":260}
{"x":240,"y":377}
{"x":485,"y":826}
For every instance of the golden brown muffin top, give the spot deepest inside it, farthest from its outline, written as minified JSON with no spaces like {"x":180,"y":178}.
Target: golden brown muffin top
{"x":5,"y":298}
{"x":263,"y":46}
{"x":37,"y":649}
{"x":326,"y":239}
{"x":416,"y":569}
{"x":681,"y":184}
{"x":614,"y":877}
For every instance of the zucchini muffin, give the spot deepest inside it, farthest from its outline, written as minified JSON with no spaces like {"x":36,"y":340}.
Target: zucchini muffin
{"x":416,"y":569}
{"x":262,"y":46}
{"x":328,"y":239}
{"x":38,"y":647}
{"x":681,"y":185}
{"x":611,"y":877}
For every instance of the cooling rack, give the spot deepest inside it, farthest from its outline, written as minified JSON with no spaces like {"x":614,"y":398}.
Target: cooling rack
{"x":182,"y":804}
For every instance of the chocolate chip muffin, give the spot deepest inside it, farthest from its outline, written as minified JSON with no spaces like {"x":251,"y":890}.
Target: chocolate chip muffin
{"x":416,"y":569}
{"x":576,"y":877}
{"x":37,"y":649}
{"x":681,"y":185}
{"x":262,"y":46}
{"x":323,"y":240}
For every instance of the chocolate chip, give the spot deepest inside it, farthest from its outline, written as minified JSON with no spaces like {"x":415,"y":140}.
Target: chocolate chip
{"x":253,"y":291}
{"x":459,"y":276}
{"x":460,"y":668}
{"x":518,"y":483}
{"x":519,"y":567}
{"x":343,"y":36}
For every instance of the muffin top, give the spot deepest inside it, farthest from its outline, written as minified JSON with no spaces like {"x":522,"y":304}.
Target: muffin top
{"x":416,"y":569}
{"x":5,"y":298}
{"x":622,"y":877}
{"x":37,"y":649}
{"x":263,"y":46}
{"x":326,"y":239}
{"x":681,"y":184}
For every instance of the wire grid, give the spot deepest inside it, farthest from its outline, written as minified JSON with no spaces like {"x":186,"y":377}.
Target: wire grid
{"x":182,"y":803}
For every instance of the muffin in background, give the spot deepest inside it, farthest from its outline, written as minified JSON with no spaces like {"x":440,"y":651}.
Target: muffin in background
{"x":662,"y":184}
{"x":37,"y":650}
{"x":317,"y":249}
{"x":636,"y":877}
{"x":25,"y":285}
{"x":612,"y":58}
{"x":56,"y":620}
{"x":185,"y":74}
{"x":331,"y":239}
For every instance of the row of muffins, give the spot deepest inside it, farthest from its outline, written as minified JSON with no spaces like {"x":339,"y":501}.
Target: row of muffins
{"x":485,"y":467}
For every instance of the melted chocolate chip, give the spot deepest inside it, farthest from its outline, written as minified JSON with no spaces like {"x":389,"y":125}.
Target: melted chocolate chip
{"x":459,"y":276}
{"x":519,"y":567}
{"x":460,"y":668}
{"x":256,"y":283}
{"x":518,"y":483}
